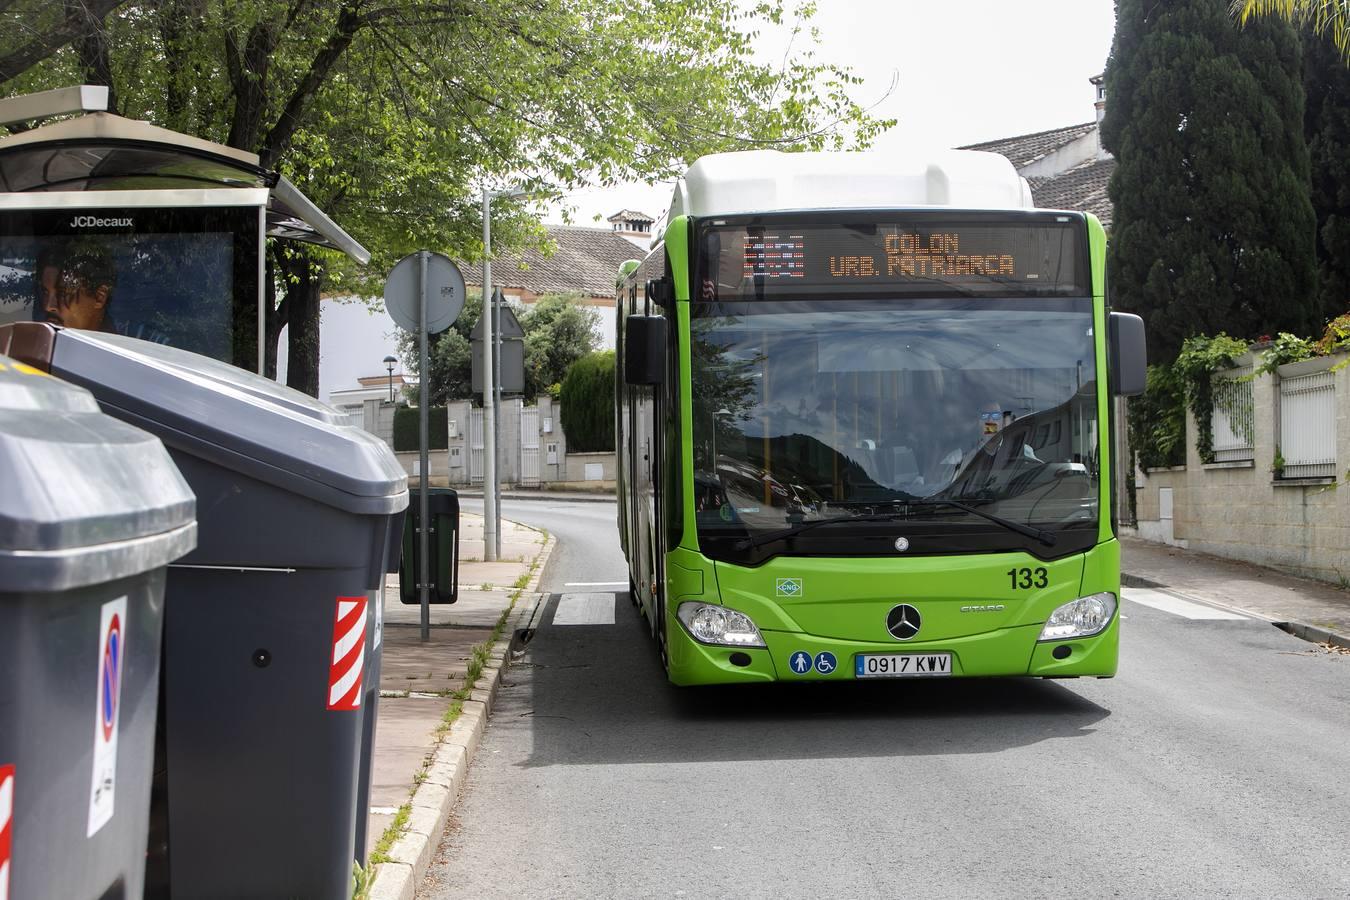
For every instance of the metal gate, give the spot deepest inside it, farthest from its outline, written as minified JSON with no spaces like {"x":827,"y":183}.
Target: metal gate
{"x":475,"y":446}
{"x":529,"y":446}
{"x":1308,"y":425}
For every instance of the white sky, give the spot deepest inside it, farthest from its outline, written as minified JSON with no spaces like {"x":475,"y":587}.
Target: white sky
{"x":969,"y":71}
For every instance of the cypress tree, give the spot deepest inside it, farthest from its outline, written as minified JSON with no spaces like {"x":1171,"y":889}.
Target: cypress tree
{"x":1327,"y":83}
{"x":1213,"y":226}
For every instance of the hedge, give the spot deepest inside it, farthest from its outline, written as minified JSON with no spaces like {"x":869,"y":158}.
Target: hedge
{"x":406,"y":428}
{"x":587,"y":399}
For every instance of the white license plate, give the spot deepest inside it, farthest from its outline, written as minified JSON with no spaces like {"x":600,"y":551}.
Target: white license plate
{"x":901,"y":665}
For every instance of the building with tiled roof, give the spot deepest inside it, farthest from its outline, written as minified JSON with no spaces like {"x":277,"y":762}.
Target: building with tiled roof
{"x":634,"y":225}
{"x":1081,"y":187}
{"x":582,"y":261}
{"x":1067,"y":168}
{"x":1026,"y":150}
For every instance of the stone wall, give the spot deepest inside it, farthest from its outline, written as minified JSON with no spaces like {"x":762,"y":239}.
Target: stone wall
{"x":1245,"y":510}
{"x":557,"y":468}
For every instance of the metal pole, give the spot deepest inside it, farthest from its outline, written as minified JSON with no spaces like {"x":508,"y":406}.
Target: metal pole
{"x":262,"y":291}
{"x":497,"y":385}
{"x":424,"y":429}
{"x":489,"y":414}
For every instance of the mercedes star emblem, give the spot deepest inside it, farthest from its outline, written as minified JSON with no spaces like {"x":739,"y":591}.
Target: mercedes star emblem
{"x":903,"y":622}
{"x":902,"y":544}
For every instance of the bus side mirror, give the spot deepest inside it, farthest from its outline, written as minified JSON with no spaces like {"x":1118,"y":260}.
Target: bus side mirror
{"x":658,"y":291}
{"x":644,"y":350}
{"x":1127,"y":354}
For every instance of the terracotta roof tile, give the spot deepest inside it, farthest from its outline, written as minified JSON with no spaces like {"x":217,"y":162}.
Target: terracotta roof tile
{"x":1081,"y":188}
{"x":586,"y":261}
{"x":1025,"y":149}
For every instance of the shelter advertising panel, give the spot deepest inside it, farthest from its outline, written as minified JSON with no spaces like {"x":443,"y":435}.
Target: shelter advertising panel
{"x":185,"y":277}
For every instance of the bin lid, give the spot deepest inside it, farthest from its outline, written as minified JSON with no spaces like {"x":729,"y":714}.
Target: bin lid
{"x":235,"y":419}
{"x":87,"y":499}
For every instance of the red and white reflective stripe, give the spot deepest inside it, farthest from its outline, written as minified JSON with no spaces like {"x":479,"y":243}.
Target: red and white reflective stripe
{"x":349,"y":654}
{"x":6,"y":826}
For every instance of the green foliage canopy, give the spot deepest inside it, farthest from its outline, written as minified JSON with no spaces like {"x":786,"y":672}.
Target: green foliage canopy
{"x":1213,"y":225}
{"x":393,"y":115}
{"x":1327,"y":81}
{"x":559,"y":330}
{"x":1325,"y":18}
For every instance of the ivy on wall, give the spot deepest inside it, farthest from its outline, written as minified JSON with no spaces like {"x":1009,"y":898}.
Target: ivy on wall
{"x":1157,"y":425}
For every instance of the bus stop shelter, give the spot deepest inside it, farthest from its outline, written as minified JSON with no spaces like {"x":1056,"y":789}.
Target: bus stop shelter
{"x":161,"y":235}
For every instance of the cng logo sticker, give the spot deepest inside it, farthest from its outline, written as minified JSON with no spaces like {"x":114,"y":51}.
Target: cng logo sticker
{"x":789,"y":587}
{"x":112,"y":654}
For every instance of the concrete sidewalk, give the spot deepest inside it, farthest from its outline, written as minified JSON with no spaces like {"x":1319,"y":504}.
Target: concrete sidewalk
{"x":435,"y":696}
{"x":605,"y":496}
{"x":1319,"y":607}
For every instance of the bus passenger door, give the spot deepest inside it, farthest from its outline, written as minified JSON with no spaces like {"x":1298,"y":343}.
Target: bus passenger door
{"x":642,"y":497}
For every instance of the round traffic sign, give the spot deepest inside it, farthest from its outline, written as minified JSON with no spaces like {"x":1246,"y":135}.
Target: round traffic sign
{"x":445,"y":292}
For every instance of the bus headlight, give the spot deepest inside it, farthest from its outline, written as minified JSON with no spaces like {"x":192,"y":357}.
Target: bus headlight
{"x":1079,"y":618}
{"x":709,"y":624}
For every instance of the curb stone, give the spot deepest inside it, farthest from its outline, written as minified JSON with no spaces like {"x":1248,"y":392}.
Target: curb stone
{"x":1313,"y":634}
{"x":443,"y":783}
{"x":1310,"y":633}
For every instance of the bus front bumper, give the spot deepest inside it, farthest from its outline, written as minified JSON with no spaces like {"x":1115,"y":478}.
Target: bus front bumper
{"x":1004,"y":652}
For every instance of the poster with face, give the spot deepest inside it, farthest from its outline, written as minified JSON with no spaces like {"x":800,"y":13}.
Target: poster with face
{"x":172,"y":276}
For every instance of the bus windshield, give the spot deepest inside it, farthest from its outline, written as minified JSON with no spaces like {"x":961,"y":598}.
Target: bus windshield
{"x":808,"y":409}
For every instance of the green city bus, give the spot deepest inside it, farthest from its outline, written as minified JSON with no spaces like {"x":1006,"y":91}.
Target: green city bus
{"x":864,"y":420}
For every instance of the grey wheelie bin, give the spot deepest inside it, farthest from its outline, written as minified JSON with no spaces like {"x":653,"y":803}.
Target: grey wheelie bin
{"x":91,"y":511}
{"x":272,"y":625}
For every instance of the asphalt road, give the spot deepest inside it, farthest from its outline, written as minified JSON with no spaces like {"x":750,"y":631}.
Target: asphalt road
{"x":1214,"y":765}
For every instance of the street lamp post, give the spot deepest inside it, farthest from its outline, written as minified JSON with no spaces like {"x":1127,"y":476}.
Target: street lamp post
{"x":492,"y":516}
{"x":389,"y":364}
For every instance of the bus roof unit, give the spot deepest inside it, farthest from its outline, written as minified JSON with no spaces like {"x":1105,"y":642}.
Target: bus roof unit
{"x":771,"y":180}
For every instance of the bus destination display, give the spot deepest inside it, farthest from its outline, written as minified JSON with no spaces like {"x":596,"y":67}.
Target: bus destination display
{"x":1032,"y":259}
{"x":775,"y":256}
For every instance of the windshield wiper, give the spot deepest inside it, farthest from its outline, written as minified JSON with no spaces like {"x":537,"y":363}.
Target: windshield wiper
{"x":770,"y":536}
{"x":1045,"y":537}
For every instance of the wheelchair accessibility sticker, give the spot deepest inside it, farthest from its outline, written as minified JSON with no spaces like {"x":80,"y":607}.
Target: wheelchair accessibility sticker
{"x":789,"y":587}
{"x":825,"y":662}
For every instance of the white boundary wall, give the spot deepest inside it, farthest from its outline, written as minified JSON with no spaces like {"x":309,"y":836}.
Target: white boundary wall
{"x":1244,"y":510}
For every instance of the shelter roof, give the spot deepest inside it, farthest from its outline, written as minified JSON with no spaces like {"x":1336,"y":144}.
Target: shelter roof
{"x":100,"y":151}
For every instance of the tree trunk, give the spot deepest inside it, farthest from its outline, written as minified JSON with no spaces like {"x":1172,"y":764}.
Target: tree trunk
{"x":304,"y":283}
{"x":92,"y":48}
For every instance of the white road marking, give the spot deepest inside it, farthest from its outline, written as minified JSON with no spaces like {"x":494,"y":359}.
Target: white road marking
{"x":622,"y":584}
{"x":1187,"y":609}
{"x":585,"y":609}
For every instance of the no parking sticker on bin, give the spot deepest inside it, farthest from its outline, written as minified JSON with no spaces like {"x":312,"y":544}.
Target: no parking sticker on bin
{"x":111,"y":654}
{"x":349,"y":654}
{"x":6,"y":826}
